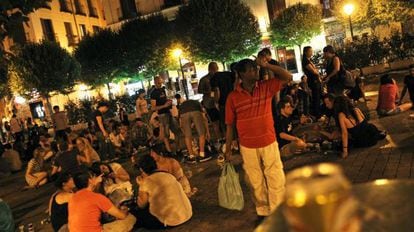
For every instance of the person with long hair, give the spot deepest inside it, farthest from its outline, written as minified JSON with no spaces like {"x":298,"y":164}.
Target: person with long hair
{"x":388,"y":96}
{"x":333,"y":71}
{"x":58,"y":204}
{"x":354,"y":127}
{"x":114,"y":176}
{"x":35,"y":174}
{"x":313,"y":80}
{"x":86,"y":150}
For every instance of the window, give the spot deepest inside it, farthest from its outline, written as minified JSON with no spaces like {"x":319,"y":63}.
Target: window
{"x":72,"y":39}
{"x":79,"y":8}
{"x":65,"y":6}
{"x":129,"y":9}
{"x":48,"y":32}
{"x":93,"y":12}
{"x":83,"y":30}
{"x":96,"y":29}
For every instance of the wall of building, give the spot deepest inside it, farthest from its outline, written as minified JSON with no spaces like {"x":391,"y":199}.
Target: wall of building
{"x":34,"y":31}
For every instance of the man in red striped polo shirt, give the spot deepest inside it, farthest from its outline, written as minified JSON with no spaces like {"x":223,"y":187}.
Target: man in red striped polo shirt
{"x":249,"y":107}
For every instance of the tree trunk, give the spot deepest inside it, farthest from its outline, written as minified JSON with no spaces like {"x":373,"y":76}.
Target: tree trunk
{"x":109,"y":91}
{"x":48,"y":108}
{"x":224,"y":65}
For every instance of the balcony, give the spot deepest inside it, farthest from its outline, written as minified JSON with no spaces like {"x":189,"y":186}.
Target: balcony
{"x":73,"y":40}
{"x":52,"y":37}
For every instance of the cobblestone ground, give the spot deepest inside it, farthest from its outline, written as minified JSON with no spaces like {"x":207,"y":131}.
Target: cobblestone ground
{"x":391,"y":158}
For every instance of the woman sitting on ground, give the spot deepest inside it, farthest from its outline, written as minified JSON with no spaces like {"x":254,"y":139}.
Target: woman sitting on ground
{"x":35,"y":174}
{"x":58,"y":204}
{"x":86,"y":150}
{"x":171,"y":166}
{"x":354,"y":127}
{"x":161,"y":198}
{"x":114,"y":177}
{"x":388,"y":96}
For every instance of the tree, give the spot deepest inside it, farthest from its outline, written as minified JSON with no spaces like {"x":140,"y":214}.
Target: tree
{"x":101,"y":58}
{"x":374,"y":13}
{"x":223,"y":30}
{"x":296,"y":25}
{"x":44,"y":67}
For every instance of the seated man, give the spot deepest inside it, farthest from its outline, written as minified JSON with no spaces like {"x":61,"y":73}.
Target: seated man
{"x":12,"y":157}
{"x":140,"y":134}
{"x":161,"y":197}
{"x":67,"y":160}
{"x":86,"y":208}
{"x":289,"y":144}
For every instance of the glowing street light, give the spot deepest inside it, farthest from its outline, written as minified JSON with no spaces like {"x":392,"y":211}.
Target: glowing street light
{"x":177,"y":54}
{"x":349,"y":9}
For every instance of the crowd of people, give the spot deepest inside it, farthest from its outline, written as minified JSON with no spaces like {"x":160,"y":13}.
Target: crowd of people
{"x":255,"y":108}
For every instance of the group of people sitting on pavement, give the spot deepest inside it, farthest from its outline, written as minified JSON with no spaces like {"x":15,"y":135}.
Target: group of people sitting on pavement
{"x":96,"y":191}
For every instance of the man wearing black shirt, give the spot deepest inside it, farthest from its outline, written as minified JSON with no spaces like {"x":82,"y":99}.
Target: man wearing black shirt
{"x":408,"y":85}
{"x":101,"y":132}
{"x":288,"y":143}
{"x":222,"y":84}
{"x":67,"y":161}
{"x":314,"y":83}
{"x":163,"y":105}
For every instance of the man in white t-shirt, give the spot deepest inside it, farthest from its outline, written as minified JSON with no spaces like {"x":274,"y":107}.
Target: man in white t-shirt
{"x":161,"y":198}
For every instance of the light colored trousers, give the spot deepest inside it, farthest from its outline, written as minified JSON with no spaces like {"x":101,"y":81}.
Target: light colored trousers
{"x":264,"y":173}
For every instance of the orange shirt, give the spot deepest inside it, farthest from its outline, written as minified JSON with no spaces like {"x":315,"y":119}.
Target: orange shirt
{"x":253,"y":113}
{"x":85,"y":210}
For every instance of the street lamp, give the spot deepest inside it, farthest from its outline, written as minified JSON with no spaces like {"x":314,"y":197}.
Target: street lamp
{"x":177,"y":54}
{"x":349,"y":9}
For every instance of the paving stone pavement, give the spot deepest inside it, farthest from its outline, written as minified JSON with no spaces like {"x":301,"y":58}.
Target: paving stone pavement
{"x":391,"y":158}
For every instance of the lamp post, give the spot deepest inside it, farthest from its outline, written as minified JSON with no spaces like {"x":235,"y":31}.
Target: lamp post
{"x":349,"y":9}
{"x":177,"y":54}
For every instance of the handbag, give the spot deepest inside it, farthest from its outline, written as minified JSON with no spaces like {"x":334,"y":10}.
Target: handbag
{"x":230,"y":195}
{"x":347,"y":78}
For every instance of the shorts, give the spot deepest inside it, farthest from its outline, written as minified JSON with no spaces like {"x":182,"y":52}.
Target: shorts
{"x":195,"y":117}
{"x":213,"y":114}
{"x":168,"y":122}
{"x":31,"y":181}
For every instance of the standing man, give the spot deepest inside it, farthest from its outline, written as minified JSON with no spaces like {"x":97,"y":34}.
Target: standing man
{"x":249,"y":107}
{"x":204,"y":87}
{"x":60,"y":124}
{"x":101,"y":132}
{"x":163,"y":105}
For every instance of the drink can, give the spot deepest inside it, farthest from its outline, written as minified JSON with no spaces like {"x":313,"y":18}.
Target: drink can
{"x":319,"y":199}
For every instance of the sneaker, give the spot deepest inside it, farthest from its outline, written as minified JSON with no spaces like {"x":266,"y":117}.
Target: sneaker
{"x":191,"y":160}
{"x":204,"y":158}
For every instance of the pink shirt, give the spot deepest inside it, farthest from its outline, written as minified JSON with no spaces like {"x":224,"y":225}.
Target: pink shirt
{"x":387,"y":96}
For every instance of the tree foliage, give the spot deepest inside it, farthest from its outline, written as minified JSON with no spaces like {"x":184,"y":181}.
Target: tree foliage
{"x":296,"y":25}
{"x":373,"y":13}
{"x":100,"y":56}
{"x":45,"y":67}
{"x":223,"y":30}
